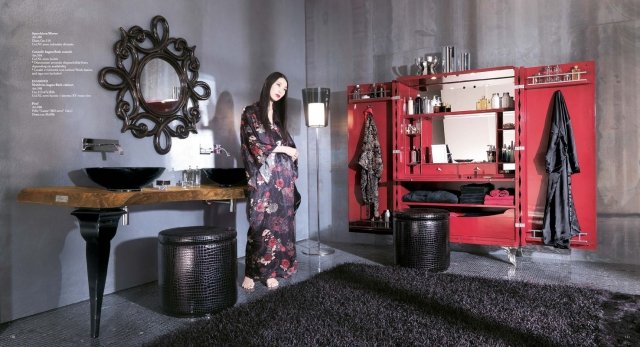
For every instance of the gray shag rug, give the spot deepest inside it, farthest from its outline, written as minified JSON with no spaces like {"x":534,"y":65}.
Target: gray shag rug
{"x":366,"y":305}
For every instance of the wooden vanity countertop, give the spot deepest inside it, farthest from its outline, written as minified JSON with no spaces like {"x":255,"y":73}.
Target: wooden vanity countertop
{"x":94,"y":197}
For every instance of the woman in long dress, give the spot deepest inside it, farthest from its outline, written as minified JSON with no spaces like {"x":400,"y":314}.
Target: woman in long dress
{"x":270,"y":160}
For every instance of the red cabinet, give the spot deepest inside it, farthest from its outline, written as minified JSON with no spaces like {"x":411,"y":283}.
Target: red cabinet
{"x":463,"y":137}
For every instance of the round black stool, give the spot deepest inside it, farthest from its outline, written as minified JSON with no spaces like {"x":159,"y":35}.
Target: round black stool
{"x":421,"y":238}
{"x":197,"y":269}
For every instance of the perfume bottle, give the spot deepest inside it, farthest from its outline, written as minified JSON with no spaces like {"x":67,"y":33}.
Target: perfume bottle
{"x":414,"y":155}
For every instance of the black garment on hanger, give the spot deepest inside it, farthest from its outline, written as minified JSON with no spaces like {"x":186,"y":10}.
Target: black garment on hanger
{"x":560,"y":220}
{"x":370,"y":162}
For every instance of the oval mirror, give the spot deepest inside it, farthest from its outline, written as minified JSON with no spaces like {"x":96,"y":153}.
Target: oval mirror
{"x":160,"y":86}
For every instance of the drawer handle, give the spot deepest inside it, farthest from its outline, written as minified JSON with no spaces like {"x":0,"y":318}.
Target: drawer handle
{"x":439,"y":169}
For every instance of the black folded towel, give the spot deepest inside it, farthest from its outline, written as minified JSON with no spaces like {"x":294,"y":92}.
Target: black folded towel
{"x":474,"y":193}
{"x":477,"y":187}
{"x":431,"y":196}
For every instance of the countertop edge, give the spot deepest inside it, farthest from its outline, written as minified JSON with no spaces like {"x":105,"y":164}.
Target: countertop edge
{"x":93,"y":197}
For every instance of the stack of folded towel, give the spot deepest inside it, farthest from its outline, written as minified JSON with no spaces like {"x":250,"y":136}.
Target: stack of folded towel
{"x":431,"y":196}
{"x":474,"y":193}
{"x":502,"y":197}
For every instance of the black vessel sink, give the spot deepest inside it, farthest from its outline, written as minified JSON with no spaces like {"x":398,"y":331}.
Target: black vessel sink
{"x":226,"y":177}
{"x":123,"y":178}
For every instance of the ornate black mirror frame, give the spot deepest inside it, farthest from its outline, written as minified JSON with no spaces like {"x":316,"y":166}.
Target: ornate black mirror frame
{"x":133,"y":51}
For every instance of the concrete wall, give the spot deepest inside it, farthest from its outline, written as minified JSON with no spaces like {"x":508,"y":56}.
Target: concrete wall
{"x":360,"y":41}
{"x":239,"y":42}
{"x":42,"y":260}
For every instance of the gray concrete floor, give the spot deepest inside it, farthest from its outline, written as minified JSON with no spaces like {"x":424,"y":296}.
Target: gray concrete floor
{"x":132,"y":317}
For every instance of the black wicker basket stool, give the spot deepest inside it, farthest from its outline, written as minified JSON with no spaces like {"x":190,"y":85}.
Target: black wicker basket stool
{"x":421,"y":238}
{"x":197,"y":269}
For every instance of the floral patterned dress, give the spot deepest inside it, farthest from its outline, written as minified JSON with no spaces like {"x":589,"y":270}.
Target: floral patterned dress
{"x":271,"y":250}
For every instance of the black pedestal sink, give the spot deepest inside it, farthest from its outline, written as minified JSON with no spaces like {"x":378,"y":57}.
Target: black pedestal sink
{"x":123,"y":178}
{"x":226,"y":177}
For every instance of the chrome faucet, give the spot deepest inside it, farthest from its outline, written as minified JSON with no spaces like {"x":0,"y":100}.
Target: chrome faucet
{"x":101,"y":145}
{"x":217,"y":149}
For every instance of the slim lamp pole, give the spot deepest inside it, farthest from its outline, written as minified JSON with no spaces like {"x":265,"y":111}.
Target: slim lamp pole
{"x":314,"y":96}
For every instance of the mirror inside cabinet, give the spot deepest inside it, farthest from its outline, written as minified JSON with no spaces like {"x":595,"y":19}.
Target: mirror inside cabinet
{"x":467,"y":136}
{"x":156,"y":80}
{"x":471,"y":132}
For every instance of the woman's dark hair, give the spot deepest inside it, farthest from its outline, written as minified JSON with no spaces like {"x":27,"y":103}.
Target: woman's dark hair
{"x":279,"y":107}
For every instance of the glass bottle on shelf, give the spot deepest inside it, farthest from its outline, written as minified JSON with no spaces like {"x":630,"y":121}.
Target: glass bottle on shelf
{"x":427,"y":105}
{"x":575,"y":73}
{"x":547,"y":74}
{"x":495,"y":101}
{"x":483,"y":103}
{"x":380,"y":91}
{"x":491,"y":153}
{"x":512,"y":158}
{"x":505,"y":101}
{"x":556,"y":73}
{"x":443,"y":106}
{"x":503,"y":154}
{"x":410,"y":108}
{"x":197,"y":177}
{"x":436,"y":104}
{"x":356,"y":92}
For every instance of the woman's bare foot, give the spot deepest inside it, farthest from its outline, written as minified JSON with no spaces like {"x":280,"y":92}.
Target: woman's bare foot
{"x":248,"y":283}
{"x":272,"y":283}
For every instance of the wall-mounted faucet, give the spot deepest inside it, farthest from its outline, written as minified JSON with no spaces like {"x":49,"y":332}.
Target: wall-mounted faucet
{"x":217,"y":149}
{"x":101,"y":145}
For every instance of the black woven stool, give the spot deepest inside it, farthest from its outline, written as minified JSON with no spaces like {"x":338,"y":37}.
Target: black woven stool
{"x":421,"y":238}
{"x":197,"y":269}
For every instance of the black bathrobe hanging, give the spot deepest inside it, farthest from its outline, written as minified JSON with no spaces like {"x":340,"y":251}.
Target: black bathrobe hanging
{"x":560,"y":220}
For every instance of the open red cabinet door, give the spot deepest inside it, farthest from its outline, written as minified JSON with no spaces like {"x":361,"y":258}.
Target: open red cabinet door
{"x":578,"y":89}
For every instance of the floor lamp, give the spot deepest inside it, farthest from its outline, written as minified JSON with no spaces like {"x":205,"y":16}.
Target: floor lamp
{"x":316,"y":115}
